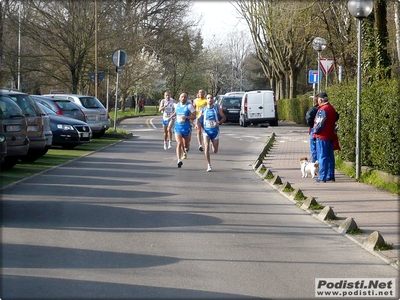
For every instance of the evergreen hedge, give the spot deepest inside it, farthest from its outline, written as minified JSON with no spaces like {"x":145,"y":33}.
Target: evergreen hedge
{"x":380,"y":121}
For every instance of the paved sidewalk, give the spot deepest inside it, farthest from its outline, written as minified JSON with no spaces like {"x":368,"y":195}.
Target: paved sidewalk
{"x":372,"y":209}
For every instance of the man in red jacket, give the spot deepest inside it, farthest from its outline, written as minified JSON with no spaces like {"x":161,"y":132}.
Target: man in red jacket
{"x":324,"y":132}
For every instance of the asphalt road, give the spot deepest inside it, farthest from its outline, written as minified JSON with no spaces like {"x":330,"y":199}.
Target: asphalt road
{"x":126,"y":223}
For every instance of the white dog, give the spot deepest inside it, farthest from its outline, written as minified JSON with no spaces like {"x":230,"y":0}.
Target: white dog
{"x":307,"y":167}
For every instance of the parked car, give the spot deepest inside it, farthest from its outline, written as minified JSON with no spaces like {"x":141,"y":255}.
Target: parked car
{"x":37,"y":139}
{"x":47,"y":130}
{"x":73,"y":110}
{"x":88,"y":102}
{"x":3,"y":145}
{"x":14,"y":125}
{"x":259,"y":107}
{"x":68,"y":132}
{"x":230,"y":104}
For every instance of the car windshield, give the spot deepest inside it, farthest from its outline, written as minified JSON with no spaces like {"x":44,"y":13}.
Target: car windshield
{"x":91,"y":102}
{"x":231,"y":101}
{"x":47,"y":110}
{"x":26,"y":103}
{"x":67,"y":105}
{"x":9,"y":109}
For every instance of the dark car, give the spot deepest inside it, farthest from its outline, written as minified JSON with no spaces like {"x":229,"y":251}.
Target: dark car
{"x":14,"y":127}
{"x":47,"y":130}
{"x":3,"y":145}
{"x":230,"y":105}
{"x":71,"y":109}
{"x":90,"y":103}
{"x":68,"y":132}
{"x":37,"y":139}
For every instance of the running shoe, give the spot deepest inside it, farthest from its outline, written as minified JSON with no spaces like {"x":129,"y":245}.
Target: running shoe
{"x":165,"y":145}
{"x":184,"y":155}
{"x":209,"y":168}
{"x":201,"y":148}
{"x":180,"y":163}
{"x":169,"y":145}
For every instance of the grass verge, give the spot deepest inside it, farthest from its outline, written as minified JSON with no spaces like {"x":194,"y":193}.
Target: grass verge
{"x":371,"y":178}
{"x":54,"y":157}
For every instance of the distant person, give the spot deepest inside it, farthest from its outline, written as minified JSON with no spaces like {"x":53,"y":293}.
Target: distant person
{"x":184,"y":114}
{"x":310,"y":116}
{"x":198,"y":104}
{"x":141,"y":105}
{"x":324,"y":132}
{"x":210,"y":118}
{"x":167,"y":107}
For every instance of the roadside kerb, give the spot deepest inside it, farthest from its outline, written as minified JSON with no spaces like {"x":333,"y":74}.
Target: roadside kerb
{"x":328,"y":217}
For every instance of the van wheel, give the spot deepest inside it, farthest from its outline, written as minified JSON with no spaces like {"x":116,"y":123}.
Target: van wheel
{"x":274,"y":123}
{"x":243,"y":121}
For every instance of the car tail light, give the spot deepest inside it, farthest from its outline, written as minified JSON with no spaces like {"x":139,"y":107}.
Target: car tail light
{"x":108,"y":115}
{"x":245,"y":105}
{"x":84,"y":115}
{"x":275,"y":107}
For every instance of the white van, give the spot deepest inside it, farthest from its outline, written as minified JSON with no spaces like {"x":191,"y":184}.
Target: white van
{"x":258,"y":107}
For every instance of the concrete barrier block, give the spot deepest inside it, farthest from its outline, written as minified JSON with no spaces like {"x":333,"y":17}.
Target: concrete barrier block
{"x":297,"y":194}
{"x":268,"y":174}
{"x":276,"y":180}
{"x":286,"y":185}
{"x":309,"y":202}
{"x":349,"y":223}
{"x":375,"y":239}
{"x":327,"y":213}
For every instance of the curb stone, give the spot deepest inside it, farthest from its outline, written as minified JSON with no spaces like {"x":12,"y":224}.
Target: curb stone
{"x":276,"y":183}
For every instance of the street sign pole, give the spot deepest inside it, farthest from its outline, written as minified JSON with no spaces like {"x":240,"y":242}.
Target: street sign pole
{"x":119,"y":58}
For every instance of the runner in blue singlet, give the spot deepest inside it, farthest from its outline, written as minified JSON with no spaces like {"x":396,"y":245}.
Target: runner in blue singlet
{"x":184,"y":113}
{"x":210,"y":118}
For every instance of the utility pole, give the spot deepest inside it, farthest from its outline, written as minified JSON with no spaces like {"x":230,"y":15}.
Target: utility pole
{"x":96,"y":74}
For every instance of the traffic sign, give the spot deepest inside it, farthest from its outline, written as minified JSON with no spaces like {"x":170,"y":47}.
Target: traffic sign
{"x":326,"y":65}
{"x":313,"y":76}
{"x":100,"y":77}
{"x":119,"y":58}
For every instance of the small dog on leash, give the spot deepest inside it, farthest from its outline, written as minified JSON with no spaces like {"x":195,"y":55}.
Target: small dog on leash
{"x":307,"y":167}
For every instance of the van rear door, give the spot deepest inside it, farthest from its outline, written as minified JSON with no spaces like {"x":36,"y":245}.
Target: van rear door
{"x":268,"y":105}
{"x":254,"y":105}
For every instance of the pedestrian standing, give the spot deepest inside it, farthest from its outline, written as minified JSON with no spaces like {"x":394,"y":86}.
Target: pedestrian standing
{"x":324,"y":132}
{"x":167,"y":107}
{"x":199,"y":103}
{"x":184,"y":113}
{"x":210,"y":118}
{"x":310,"y":117}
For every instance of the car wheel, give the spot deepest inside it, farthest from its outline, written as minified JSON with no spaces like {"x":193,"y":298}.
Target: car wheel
{"x":69,"y":147}
{"x":99,"y":134}
{"x":31,"y":156}
{"x":9,"y":162}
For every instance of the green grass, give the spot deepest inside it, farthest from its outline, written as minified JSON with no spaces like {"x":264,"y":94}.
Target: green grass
{"x":371,"y":178}
{"x":54,"y":157}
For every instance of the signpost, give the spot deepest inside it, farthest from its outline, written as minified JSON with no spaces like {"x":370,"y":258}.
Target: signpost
{"x":326,"y":67}
{"x":119,"y":58}
{"x":314,"y":77}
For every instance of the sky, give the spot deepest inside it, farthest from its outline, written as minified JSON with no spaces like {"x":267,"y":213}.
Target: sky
{"x":219,"y":19}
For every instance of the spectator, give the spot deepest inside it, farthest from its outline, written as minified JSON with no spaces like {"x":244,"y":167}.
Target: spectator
{"x":324,"y":132}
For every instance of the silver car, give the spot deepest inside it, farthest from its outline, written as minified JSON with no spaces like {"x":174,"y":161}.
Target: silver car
{"x":90,"y":103}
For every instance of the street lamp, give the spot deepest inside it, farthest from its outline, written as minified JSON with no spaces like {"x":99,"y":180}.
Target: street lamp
{"x":359,"y":9}
{"x":319,"y":44}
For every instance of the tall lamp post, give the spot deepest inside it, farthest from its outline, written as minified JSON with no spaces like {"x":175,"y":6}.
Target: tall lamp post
{"x":319,"y":44}
{"x":359,"y":9}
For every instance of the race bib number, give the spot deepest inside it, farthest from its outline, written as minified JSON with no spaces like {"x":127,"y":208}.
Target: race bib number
{"x":168,"y":110}
{"x":210,"y":124}
{"x":181,"y":119}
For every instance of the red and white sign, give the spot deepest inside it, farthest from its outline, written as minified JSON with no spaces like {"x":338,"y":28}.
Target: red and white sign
{"x":326,"y":65}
